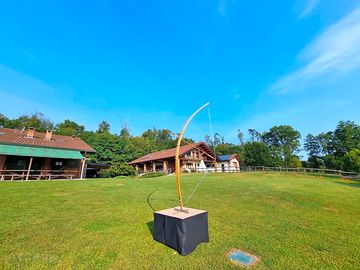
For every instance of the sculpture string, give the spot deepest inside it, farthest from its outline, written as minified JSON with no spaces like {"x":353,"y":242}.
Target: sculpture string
{"x":177,"y":159}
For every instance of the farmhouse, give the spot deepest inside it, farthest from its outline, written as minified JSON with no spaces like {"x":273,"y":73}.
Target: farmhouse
{"x":228,"y":163}
{"x":193,"y":157}
{"x":27,"y":154}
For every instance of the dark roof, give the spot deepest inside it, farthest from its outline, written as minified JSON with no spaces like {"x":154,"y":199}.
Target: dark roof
{"x":228,"y":157}
{"x":18,"y":137}
{"x":224,"y":157}
{"x":169,"y":153}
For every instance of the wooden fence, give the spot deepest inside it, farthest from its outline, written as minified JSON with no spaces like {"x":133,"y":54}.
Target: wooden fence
{"x":36,"y":174}
{"x":313,"y":171}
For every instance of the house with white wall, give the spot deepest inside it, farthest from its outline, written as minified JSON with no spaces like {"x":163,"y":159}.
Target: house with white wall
{"x":228,"y":163}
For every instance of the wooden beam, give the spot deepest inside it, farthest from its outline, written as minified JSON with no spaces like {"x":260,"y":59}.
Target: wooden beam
{"x":82,"y":169}
{"x":29,"y":168}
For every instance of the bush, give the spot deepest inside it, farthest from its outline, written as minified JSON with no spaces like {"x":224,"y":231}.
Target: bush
{"x":121,"y":168}
{"x":352,"y":160}
{"x":103,"y":174}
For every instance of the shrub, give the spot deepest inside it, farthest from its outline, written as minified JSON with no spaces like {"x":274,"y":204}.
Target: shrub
{"x":121,"y":168}
{"x":103,"y":174}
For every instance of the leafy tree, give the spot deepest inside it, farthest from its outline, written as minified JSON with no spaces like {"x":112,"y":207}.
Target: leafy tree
{"x":218,"y":139}
{"x":240,"y":136}
{"x":161,"y":138}
{"x":283,"y":141}
{"x":312,"y":145}
{"x":255,"y":136}
{"x":257,"y":154}
{"x":294,"y":162}
{"x":125,"y":132}
{"x":346,"y":137}
{"x":103,"y":127}
{"x":228,"y":149}
{"x":352,"y":160}
{"x":316,"y":162}
{"x":68,"y":128}
{"x":4,"y":121}
{"x":35,"y":120}
{"x":326,"y":142}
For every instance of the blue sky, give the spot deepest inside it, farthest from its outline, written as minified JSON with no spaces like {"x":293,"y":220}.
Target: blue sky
{"x":152,"y":63}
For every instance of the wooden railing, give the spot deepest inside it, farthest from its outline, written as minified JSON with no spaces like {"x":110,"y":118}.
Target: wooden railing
{"x":313,"y":171}
{"x":37,"y":174}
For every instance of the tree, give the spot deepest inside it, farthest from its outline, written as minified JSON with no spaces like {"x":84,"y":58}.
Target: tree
{"x":346,"y":138}
{"x":208,"y":141}
{"x":294,"y":162}
{"x":312,"y":145}
{"x":352,"y":160}
{"x":35,"y":120}
{"x":125,"y":131}
{"x":257,"y":154}
{"x":240,"y":136}
{"x":255,"y":136}
{"x":103,"y":127}
{"x":283,"y":141}
{"x":218,"y":139}
{"x":326,"y":141}
{"x":160,"y":138}
{"x":4,"y":121}
{"x":229,"y":149}
{"x":68,"y":128}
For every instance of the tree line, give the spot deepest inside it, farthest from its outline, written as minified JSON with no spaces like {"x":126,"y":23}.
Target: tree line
{"x":278,"y":146}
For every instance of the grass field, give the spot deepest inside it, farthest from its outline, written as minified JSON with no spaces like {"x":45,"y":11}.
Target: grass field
{"x":288,"y":221}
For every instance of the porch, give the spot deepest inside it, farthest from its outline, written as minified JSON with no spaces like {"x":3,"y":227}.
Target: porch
{"x":39,"y":168}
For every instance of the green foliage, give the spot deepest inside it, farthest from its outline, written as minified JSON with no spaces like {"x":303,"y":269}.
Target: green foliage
{"x":104,"y":174}
{"x":35,"y":120}
{"x":338,"y":147}
{"x":121,"y":168}
{"x":104,"y":127}
{"x":352,"y":160}
{"x":312,"y":145}
{"x":68,"y":128}
{"x":229,"y":149}
{"x":153,"y":174}
{"x":4,"y":121}
{"x":283,"y":141}
{"x":316,"y":162}
{"x":294,"y":162}
{"x":346,"y":137}
{"x":257,"y":154}
{"x":276,"y":147}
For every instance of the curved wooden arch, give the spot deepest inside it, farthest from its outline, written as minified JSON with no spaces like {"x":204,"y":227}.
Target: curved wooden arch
{"x":177,"y":160}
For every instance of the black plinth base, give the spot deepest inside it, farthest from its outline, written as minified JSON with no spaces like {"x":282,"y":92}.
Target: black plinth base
{"x":182,"y":231}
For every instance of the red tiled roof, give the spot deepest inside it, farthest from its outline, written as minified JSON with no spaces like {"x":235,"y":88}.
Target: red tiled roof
{"x":169,"y":153}
{"x":18,"y":137}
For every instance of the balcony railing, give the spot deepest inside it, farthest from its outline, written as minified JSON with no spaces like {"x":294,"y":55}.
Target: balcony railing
{"x":37,"y":174}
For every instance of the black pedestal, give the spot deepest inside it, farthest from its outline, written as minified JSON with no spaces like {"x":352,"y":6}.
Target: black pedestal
{"x":182,"y":231}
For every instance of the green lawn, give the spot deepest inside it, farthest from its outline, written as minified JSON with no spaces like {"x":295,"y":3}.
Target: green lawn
{"x":288,"y":221}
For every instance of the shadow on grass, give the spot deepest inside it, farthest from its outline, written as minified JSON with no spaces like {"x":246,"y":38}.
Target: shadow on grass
{"x":353,"y":184}
{"x":150,"y":226}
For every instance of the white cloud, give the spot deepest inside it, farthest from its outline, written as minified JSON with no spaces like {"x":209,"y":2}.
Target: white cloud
{"x":309,"y":6}
{"x":335,"y":51}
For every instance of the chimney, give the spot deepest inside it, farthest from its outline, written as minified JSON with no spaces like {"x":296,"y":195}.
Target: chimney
{"x":30,"y":132}
{"x":48,"y":135}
